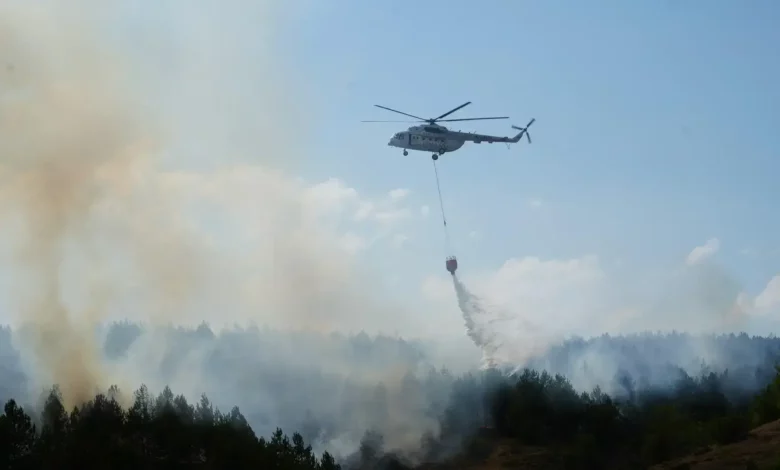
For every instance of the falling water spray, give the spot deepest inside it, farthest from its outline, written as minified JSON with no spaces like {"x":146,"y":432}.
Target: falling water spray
{"x":474,"y":317}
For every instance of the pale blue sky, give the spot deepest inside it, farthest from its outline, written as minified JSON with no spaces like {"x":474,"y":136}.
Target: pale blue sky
{"x":655,"y":122}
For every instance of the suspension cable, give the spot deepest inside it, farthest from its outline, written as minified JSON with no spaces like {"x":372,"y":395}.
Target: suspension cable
{"x":438,"y":188}
{"x":447,"y":242}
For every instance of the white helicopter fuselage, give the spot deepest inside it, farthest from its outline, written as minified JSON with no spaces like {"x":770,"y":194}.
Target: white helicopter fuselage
{"x":436,"y":139}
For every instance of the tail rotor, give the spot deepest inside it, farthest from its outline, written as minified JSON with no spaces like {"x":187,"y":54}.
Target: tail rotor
{"x":524,"y":130}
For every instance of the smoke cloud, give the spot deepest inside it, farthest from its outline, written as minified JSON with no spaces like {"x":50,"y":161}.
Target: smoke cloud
{"x":152,"y":182}
{"x":149,"y":180}
{"x":70,"y":139}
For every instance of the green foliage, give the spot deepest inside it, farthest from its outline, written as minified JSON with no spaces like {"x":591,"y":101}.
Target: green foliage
{"x":595,"y":431}
{"x":640,"y":426}
{"x":766,"y":406}
{"x":160,"y":432}
{"x":17,"y":437}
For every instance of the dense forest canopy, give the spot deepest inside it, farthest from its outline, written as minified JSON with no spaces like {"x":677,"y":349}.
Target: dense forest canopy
{"x":586,"y":429}
{"x":337,"y":391}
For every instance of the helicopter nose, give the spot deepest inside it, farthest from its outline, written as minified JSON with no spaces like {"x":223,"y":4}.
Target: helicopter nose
{"x":396,"y":140}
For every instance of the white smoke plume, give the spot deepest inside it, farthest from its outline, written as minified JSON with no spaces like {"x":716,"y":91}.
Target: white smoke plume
{"x":152,"y":181}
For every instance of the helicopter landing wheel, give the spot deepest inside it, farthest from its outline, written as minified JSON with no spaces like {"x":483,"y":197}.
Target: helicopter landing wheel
{"x":406,"y":153}
{"x":435,"y":157}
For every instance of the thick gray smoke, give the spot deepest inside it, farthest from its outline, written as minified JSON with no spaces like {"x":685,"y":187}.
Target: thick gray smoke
{"x":142,"y":179}
{"x":332,"y":388}
{"x":107,"y":208}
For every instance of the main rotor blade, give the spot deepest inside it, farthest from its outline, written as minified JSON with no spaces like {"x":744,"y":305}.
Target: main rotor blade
{"x":474,"y":119}
{"x":452,"y":111}
{"x":401,"y":112}
{"x":393,"y":121}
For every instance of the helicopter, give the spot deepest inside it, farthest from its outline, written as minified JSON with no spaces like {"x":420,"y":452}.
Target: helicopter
{"x":436,"y":138}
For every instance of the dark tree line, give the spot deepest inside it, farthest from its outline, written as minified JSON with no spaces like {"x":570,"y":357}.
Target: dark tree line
{"x":656,"y":408}
{"x":155,"y":432}
{"x":585,"y":430}
{"x":594,"y":430}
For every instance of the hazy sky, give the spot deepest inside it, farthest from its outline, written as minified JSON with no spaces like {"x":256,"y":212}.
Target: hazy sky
{"x":653,"y":137}
{"x":653,"y":130}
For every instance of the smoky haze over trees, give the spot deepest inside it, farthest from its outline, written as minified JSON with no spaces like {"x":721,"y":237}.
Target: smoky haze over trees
{"x":103,"y":108}
{"x":360,"y":397}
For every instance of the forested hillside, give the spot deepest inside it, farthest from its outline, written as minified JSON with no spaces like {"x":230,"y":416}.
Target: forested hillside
{"x":380,"y":402}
